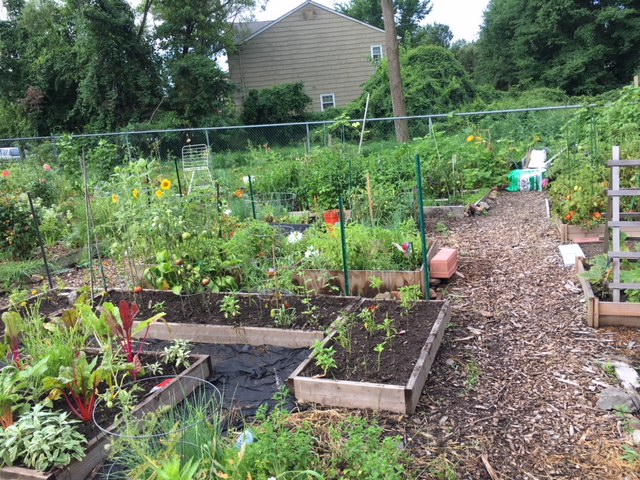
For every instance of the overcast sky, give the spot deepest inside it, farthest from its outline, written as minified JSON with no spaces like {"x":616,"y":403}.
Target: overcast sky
{"x":464,"y":17}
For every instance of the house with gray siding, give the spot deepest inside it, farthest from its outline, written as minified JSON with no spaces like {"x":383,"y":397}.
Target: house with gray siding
{"x":330,"y":53}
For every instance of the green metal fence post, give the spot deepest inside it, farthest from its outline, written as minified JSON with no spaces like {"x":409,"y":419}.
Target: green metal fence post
{"x":345,"y":257}
{"x":423,"y":230}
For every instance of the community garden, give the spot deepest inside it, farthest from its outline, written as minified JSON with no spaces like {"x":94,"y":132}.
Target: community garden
{"x":322,"y":251}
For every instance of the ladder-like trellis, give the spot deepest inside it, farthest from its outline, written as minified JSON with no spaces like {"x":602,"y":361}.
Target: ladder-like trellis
{"x":616,"y":222}
{"x":195,"y":164}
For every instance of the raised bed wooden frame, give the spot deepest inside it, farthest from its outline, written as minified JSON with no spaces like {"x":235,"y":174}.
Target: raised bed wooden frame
{"x":95,"y":451}
{"x":606,"y":314}
{"x":321,"y":281}
{"x":230,"y":335}
{"x":376,"y":396}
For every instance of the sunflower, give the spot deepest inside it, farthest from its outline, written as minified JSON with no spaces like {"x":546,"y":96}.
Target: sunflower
{"x":136,"y":193}
{"x":165,"y":184}
{"x":115,"y":198}
{"x":470,"y":138}
{"x":160,"y":193}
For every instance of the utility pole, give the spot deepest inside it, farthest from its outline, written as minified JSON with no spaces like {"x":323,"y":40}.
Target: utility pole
{"x":395,"y":78}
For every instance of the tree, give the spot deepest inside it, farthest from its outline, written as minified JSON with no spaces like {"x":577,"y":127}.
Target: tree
{"x":119,"y":80}
{"x":432,"y":34}
{"x":395,"y":77}
{"x":434,"y":82}
{"x":190,"y":33}
{"x":279,"y":104}
{"x":581,"y":46}
{"x":408,"y":13}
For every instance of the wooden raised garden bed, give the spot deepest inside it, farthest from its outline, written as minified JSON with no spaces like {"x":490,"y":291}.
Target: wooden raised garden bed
{"x":204,"y":323}
{"x":398,"y":397}
{"x":604,"y":313}
{"x":95,"y":450}
{"x":571,"y":233}
{"x":325,"y":281}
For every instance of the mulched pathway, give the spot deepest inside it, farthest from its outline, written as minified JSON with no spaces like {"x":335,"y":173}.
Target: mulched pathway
{"x":513,"y":389}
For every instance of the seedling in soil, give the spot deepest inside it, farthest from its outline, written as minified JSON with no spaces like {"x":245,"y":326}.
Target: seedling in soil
{"x":284,"y":316}
{"x":324,"y":357}
{"x":389,"y":331}
{"x":379,"y":348}
{"x":157,"y":307}
{"x":344,"y":330}
{"x":442,"y":228}
{"x":409,"y":296}
{"x":230,"y":306}
{"x":367,"y":315}
{"x":310,"y":311}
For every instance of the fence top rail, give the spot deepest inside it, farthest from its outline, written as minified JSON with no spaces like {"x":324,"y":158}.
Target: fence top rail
{"x":314,"y":123}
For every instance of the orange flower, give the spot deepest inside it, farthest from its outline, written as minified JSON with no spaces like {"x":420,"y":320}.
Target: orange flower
{"x":597,"y":215}
{"x":238,"y":193}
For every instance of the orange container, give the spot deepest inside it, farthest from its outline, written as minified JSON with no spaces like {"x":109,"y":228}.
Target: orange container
{"x":331,"y":217}
{"x":444,"y":263}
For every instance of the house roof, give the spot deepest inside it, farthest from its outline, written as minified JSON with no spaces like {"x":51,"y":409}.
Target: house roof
{"x":257,"y":28}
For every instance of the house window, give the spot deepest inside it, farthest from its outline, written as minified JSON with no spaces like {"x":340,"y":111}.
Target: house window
{"x":376,"y":53}
{"x":327,"y":100}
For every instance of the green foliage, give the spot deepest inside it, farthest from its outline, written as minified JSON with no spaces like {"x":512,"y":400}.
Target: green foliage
{"x":41,"y":440}
{"x":580,"y":47}
{"x":323,"y":356}
{"x":409,"y":296}
{"x":434,"y":82}
{"x":408,"y":13}
{"x":177,"y":353}
{"x":230,"y":306}
{"x":279,"y":104}
{"x":368,"y":248}
{"x":17,"y":234}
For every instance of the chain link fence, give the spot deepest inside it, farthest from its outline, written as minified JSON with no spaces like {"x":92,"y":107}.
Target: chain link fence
{"x":233,"y":146}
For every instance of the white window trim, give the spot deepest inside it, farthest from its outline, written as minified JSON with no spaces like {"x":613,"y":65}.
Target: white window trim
{"x":322,"y":102}
{"x":381,"y":52}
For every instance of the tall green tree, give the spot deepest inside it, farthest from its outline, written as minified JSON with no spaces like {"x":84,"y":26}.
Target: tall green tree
{"x":408,"y":13}
{"x":432,"y":34}
{"x":580,"y":46}
{"x":190,"y":34}
{"x":119,"y":80}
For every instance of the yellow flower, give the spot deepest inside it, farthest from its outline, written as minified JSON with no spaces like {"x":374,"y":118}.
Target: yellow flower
{"x":160,"y":194}
{"x":165,"y":184}
{"x":136,"y":193}
{"x":478,"y":139}
{"x":115,"y":198}
{"x":470,"y":138}
{"x":34,"y":292}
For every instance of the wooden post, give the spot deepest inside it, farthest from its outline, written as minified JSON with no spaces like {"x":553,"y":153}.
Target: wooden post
{"x":370,"y":195}
{"x":395,"y":78}
{"x":636,"y":81}
{"x":615,"y":216}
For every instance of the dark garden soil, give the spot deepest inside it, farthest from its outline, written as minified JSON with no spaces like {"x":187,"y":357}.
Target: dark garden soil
{"x":397,"y":359}
{"x":254,"y":310}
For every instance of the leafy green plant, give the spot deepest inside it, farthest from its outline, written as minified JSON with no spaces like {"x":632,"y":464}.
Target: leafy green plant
{"x":284,"y":316}
{"x":376,"y":283}
{"x":367,"y":315}
{"x":598,"y":274}
{"x":41,"y":439}
{"x":379,"y":349}
{"x":121,"y":325}
{"x":323,"y":356}
{"x":79,"y":385}
{"x":230,"y":306}
{"x":473,"y":375}
{"x":409,"y":296}
{"x":177,"y":353}
{"x":17,"y":388}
